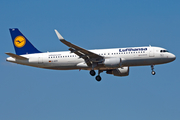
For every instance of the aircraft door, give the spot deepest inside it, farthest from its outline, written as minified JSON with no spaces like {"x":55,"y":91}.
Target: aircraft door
{"x":40,"y":59}
{"x":151,"y":52}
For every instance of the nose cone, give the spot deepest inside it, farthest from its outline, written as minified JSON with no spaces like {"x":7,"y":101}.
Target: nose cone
{"x":172,"y":57}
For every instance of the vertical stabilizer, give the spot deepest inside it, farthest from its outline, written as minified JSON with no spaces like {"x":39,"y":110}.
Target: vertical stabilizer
{"x":21,"y":43}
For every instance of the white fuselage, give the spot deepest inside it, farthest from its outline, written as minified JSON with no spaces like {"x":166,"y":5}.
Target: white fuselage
{"x":136,"y":56}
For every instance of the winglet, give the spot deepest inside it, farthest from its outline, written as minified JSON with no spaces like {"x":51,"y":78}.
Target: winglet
{"x":59,"y":35}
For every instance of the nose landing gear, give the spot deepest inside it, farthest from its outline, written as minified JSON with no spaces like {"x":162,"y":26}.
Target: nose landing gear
{"x":153,"y":72}
{"x":152,"y":68}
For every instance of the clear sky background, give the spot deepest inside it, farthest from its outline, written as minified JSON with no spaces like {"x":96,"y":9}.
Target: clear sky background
{"x":28,"y":93}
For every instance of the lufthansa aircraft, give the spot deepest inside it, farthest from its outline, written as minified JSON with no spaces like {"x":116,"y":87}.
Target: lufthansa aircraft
{"x":114,"y":61}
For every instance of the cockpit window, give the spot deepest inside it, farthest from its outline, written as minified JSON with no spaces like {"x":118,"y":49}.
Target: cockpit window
{"x":164,"y":51}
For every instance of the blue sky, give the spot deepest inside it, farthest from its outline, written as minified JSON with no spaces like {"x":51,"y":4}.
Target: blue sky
{"x":34,"y":94}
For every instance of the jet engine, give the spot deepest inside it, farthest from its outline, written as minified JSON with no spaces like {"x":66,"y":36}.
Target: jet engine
{"x":124,"y":71}
{"x":112,"y":62}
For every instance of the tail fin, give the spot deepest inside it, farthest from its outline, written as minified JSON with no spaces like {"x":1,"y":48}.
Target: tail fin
{"x":21,"y":43}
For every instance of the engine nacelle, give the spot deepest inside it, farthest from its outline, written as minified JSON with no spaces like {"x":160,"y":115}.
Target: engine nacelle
{"x":112,"y":62}
{"x":124,"y":71}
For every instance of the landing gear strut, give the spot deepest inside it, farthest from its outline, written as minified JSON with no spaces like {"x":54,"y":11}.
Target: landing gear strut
{"x":152,"y":68}
{"x":98,"y":77}
{"x":92,"y":72}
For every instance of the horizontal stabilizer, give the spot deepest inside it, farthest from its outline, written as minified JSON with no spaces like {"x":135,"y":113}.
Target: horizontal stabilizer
{"x":17,"y":56}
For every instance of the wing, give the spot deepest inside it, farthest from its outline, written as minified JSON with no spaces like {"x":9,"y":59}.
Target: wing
{"x":88,"y":56}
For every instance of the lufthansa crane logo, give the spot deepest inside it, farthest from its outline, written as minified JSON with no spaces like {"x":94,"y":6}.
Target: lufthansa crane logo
{"x":19,"y":41}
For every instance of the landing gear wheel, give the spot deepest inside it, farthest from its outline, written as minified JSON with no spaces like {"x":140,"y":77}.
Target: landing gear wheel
{"x":153,"y":72}
{"x":92,"y":73}
{"x":98,"y":78}
{"x":152,"y":68}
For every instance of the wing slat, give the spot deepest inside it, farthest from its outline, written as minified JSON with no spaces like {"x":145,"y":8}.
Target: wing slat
{"x":84,"y":51}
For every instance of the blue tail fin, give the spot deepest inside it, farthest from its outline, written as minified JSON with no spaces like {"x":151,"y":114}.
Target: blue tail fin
{"x":21,"y":43}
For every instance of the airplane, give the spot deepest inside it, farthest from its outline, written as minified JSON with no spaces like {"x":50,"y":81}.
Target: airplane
{"x":114,"y":61}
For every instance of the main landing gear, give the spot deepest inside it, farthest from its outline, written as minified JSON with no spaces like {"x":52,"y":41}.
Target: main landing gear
{"x":152,"y":68}
{"x":93,"y":73}
{"x":98,"y":78}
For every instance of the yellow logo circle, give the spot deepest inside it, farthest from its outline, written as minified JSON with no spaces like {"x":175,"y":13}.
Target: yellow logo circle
{"x":19,"y":41}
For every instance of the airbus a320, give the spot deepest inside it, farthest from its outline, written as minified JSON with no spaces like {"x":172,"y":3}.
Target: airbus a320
{"x":114,"y":61}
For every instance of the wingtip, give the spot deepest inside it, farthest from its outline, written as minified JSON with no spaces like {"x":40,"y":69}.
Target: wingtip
{"x":58,"y":35}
